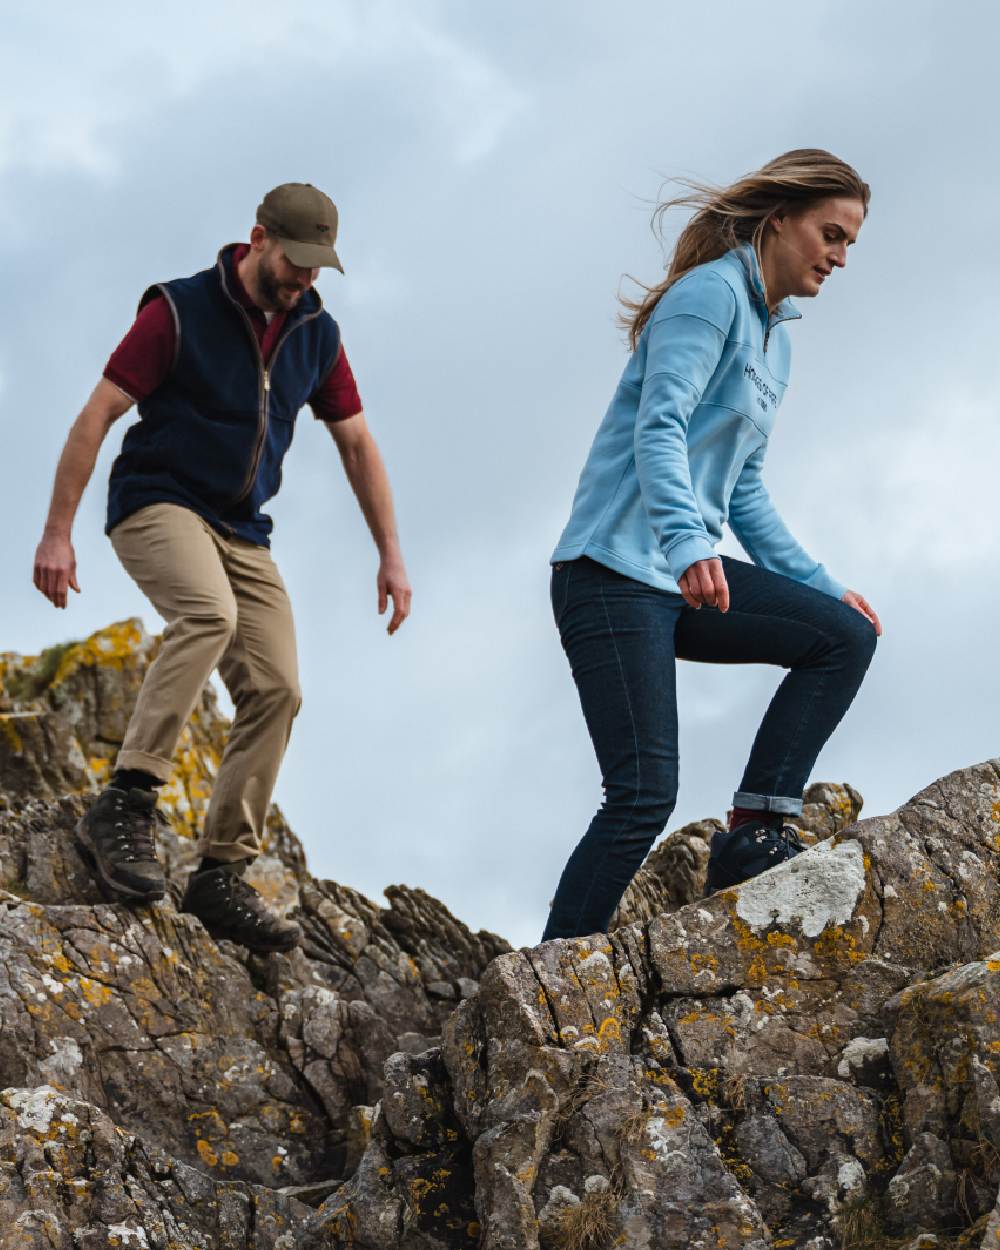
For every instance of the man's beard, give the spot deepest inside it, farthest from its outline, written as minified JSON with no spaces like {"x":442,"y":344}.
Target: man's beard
{"x":271,"y":289}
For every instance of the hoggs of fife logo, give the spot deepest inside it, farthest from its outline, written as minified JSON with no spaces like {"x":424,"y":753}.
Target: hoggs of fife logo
{"x":765,"y":396}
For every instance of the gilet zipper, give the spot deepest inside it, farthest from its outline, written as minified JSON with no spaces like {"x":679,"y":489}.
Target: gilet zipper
{"x":263,"y":386}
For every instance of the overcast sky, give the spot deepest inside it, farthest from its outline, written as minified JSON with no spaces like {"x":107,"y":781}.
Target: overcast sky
{"x":495,"y":166}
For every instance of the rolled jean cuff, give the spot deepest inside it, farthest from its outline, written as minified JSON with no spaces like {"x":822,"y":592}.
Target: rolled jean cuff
{"x":768,"y":803}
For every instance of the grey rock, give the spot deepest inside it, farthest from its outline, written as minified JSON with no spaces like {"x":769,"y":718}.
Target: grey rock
{"x":922,"y":1193}
{"x":70,"y":1178}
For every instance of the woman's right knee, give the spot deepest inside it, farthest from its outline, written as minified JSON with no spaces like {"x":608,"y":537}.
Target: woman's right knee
{"x":858,"y":639}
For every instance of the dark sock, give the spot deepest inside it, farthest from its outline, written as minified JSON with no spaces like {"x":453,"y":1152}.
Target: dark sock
{"x":237,"y":865}
{"x":744,"y":815}
{"x":208,"y":863}
{"x":134,"y":779}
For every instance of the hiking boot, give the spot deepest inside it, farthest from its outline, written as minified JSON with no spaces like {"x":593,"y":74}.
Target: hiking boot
{"x":116,"y":835}
{"x":231,"y":908}
{"x":748,"y":850}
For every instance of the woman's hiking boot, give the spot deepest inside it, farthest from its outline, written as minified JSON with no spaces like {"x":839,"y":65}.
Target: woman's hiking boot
{"x":231,"y":908}
{"x":116,"y":835}
{"x":748,"y":850}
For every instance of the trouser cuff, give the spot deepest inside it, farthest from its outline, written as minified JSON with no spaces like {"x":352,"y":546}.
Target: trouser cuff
{"x":781,"y":803}
{"x":143,"y":762}
{"x":229,"y":852}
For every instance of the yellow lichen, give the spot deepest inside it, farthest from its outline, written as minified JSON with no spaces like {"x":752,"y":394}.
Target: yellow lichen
{"x":10,"y":733}
{"x":610,"y":1029}
{"x":109,"y":647}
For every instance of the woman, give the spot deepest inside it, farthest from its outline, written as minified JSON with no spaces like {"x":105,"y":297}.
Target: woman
{"x":635,"y":579}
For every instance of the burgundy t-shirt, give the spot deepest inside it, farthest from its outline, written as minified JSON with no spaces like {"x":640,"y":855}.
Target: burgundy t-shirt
{"x":144,"y":357}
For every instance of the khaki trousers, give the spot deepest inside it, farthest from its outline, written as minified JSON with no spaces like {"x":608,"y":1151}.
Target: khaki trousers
{"x":225,"y":606}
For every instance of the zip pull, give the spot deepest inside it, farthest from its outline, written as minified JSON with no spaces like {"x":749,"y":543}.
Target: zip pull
{"x":267,"y":380}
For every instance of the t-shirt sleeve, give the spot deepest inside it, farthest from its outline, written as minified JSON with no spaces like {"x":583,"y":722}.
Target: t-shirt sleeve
{"x":145,"y":356}
{"x":337,"y":396}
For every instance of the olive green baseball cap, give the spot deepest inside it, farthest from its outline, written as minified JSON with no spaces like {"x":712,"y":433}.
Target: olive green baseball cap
{"x":304,"y":221}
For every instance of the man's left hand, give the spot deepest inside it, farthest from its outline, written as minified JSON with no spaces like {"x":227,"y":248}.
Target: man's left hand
{"x":395,"y":585}
{"x":861,"y":604}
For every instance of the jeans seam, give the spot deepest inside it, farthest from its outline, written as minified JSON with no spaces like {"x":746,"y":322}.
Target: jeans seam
{"x":569,"y":578}
{"x":638,"y":771}
{"x":806,"y":712}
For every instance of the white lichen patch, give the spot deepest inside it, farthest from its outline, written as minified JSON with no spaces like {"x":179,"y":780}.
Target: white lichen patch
{"x":860,"y":1051}
{"x":851,"y":1179}
{"x":820,"y":887}
{"x":35,"y":1107}
{"x":51,"y":984}
{"x":65,"y":1060}
{"x":662,"y":1137}
{"x":596,"y":961}
{"x":127,"y":1235}
{"x":560,"y":1199}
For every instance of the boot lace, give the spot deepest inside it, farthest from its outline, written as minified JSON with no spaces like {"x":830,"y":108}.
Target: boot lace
{"x":132,"y":838}
{"x":244,"y":901}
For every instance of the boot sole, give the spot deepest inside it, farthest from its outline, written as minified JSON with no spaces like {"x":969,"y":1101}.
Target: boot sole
{"x":220,"y":935}
{"x":111,"y":889}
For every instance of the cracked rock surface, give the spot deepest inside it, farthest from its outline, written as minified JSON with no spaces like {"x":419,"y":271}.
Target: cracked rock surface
{"x":809,"y":1060}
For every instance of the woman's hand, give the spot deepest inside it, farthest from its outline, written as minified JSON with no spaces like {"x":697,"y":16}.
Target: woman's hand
{"x":705,"y":583}
{"x":861,"y":604}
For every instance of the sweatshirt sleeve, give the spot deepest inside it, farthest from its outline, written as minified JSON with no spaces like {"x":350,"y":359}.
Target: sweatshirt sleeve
{"x":766,"y":539}
{"x":685,"y":340}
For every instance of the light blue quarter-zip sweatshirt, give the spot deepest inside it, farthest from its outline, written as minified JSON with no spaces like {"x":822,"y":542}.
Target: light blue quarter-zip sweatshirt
{"x":681,"y":447}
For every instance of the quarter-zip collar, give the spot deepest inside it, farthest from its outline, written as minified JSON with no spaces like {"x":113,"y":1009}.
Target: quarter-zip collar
{"x":786,"y":310}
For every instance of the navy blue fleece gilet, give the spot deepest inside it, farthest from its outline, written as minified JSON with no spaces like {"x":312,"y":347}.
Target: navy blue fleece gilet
{"x":213,"y":435}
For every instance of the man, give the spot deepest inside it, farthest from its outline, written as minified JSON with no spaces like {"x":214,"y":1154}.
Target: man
{"x":219,"y":364}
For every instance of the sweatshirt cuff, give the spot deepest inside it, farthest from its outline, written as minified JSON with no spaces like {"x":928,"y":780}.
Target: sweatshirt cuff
{"x":821,"y":580}
{"x":688,"y":551}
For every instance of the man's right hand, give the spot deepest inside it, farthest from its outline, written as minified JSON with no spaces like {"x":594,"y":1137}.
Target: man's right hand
{"x":705,"y":583}
{"x":55,"y":561}
{"x":55,"y":569}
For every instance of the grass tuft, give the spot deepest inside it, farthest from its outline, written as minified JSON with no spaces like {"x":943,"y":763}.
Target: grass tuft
{"x":590,"y":1225}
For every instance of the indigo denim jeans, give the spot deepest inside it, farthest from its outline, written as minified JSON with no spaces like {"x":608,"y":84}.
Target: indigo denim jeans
{"x":622,"y":637}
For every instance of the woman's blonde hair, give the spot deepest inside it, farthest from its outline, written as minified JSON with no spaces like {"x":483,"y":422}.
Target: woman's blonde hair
{"x":725,"y":217}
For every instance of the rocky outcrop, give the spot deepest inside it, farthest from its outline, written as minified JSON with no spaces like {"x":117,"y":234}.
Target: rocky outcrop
{"x":810,"y":1060}
{"x":777,"y":1065}
{"x":247,"y":1072}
